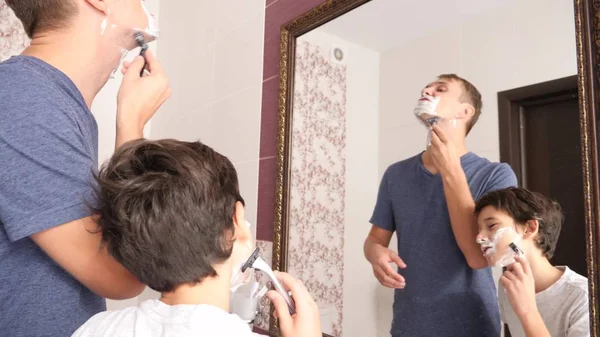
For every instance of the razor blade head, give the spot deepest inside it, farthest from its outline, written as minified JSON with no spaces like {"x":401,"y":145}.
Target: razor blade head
{"x":139,"y":39}
{"x":515,"y":249}
{"x":248,"y":264}
{"x":432,"y":120}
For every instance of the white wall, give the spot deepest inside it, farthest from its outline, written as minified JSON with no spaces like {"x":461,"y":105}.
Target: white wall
{"x":362,"y":175}
{"x":524,"y":43}
{"x":362,"y":124}
{"x":212,"y":51}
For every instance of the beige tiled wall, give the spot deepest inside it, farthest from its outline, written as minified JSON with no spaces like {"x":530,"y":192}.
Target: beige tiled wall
{"x":212,"y":51}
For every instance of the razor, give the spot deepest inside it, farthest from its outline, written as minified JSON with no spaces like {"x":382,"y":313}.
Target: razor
{"x":515,"y":249}
{"x":256,"y":262}
{"x":141,"y":42}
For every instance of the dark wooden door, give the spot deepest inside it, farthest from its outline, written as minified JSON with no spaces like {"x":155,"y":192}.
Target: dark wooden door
{"x":553,"y":167}
{"x":540,"y":138}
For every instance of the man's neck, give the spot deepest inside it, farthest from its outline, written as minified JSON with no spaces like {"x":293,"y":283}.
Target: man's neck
{"x":76,"y":57}
{"x":544,"y":273}
{"x":213,"y":291}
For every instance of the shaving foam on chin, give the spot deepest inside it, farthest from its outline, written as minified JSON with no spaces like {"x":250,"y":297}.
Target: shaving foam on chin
{"x":425,"y":110}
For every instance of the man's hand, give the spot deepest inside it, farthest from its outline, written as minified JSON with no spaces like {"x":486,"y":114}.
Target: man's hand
{"x":381,"y":257}
{"x":140,"y":97}
{"x":307,"y":321}
{"x":519,"y":284}
{"x":443,"y":152}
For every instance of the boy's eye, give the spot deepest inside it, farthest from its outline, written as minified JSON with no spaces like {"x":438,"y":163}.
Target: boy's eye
{"x":492,"y":225}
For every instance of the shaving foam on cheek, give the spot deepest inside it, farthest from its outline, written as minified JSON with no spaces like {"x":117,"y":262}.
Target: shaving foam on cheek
{"x":498,"y":250}
{"x":239,"y":278}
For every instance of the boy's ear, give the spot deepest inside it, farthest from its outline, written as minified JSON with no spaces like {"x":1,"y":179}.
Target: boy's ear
{"x":531,"y":229}
{"x":239,"y":222}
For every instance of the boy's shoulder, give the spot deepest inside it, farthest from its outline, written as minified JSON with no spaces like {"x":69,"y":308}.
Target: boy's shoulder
{"x":107,"y":323}
{"x":576,"y":284}
{"x":154,"y":318}
{"x":570,"y":291}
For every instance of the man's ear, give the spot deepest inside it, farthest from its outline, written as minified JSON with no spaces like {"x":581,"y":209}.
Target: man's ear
{"x":467,"y":111}
{"x":99,"y":5}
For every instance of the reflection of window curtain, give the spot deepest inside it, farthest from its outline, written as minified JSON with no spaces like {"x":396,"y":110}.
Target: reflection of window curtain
{"x":12,"y":35}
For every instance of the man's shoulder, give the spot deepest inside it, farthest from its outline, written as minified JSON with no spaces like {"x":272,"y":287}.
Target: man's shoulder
{"x":481,"y":171}
{"x":19,"y":71}
{"x":403,"y":164}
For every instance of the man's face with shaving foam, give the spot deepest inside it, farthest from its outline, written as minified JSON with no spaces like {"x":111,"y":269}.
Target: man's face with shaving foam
{"x":448,"y":92}
{"x":497,"y":230}
{"x":128,"y":14}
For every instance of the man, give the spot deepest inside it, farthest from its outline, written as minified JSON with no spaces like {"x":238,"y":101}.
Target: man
{"x":428,"y":201}
{"x":53,"y":270}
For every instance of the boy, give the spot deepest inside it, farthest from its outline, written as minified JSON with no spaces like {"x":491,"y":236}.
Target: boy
{"x":171,"y":213}
{"x":536,"y":298}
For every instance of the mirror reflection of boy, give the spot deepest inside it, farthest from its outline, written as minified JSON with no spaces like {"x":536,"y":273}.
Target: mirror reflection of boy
{"x":536,"y":298}
{"x":171,"y":213}
{"x":443,"y":284}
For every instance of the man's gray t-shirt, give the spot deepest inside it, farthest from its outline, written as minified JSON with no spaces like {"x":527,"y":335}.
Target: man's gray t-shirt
{"x":48,"y":151}
{"x":443,"y":296}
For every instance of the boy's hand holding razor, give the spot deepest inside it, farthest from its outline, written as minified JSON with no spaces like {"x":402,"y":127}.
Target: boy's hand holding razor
{"x":306,"y":321}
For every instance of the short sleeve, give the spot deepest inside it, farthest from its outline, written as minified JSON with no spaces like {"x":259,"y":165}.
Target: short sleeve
{"x":46,"y":169}
{"x":579,"y":322}
{"x":383,"y":215}
{"x":502,"y":177}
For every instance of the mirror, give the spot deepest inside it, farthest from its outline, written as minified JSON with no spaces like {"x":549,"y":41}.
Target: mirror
{"x":350,"y":157}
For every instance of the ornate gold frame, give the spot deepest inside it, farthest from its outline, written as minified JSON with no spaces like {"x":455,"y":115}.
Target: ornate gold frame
{"x":587,"y":28}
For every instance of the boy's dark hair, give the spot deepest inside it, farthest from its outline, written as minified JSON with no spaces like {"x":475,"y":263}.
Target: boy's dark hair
{"x":523,"y":205}
{"x":39,"y":15}
{"x":166,"y":210}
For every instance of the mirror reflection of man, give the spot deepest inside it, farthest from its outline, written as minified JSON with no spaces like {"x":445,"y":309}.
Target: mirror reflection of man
{"x":443,"y":286}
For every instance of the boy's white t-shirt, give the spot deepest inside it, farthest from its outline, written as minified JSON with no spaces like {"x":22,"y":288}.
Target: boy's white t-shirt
{"x":563,"y":307}
{"x":153,"y":318}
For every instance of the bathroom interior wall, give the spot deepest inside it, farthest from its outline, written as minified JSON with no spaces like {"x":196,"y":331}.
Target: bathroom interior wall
{"x":212,"y":52}
{"x":482,"y":50}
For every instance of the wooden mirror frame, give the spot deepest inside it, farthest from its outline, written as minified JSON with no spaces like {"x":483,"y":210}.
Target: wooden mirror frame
{"x":587,"y":30}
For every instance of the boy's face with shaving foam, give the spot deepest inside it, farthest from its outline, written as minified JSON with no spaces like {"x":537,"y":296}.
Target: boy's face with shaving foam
{"x":497,"y":230}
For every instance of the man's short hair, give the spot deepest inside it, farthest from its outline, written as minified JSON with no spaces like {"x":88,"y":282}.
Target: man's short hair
{"x":166,"y":210}
{"x":43,"y":15}
{"x":470,"y":95}
{"x":523,"y":205}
